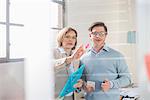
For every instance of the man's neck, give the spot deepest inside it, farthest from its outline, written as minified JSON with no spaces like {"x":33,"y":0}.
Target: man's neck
{"x":97,"y":48}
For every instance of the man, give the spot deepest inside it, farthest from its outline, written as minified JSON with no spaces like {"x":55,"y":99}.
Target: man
{"x":105,"y":68}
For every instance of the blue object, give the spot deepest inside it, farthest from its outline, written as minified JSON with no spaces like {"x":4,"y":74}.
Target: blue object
{"x":72,"y":80}
{"x":131,"y":37}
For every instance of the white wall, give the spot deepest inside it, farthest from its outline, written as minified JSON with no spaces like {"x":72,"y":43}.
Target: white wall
{"x":118,"y":15}
{"x":38,"y":67}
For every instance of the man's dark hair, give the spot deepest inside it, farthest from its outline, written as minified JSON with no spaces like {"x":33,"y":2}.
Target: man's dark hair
{"x":97,"y":24}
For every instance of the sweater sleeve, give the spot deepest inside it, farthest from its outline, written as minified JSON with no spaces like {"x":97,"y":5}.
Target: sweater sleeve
{"x":124,"y":77}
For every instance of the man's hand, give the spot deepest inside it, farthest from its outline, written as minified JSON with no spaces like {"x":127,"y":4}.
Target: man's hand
{"x":89,"y":87}
{"x":105,"y":85}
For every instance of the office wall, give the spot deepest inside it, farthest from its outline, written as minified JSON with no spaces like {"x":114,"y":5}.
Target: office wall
{"x":119,"y":16}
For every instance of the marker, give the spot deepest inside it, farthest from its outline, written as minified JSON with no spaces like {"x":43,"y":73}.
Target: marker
{"x":87,"y":45}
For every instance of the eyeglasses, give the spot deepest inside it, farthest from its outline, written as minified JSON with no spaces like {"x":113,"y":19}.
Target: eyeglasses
{"x":69,"y":37}
{"x":101,"y":34}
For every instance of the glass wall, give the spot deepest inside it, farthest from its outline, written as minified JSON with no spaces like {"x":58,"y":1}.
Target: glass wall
{"x":2,"y":29}
{"x":11,"y":30}
{"x":56,"y":18}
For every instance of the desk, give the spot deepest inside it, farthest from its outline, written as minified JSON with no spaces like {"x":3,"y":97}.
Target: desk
{"x":125,"y":94}
{"x":129,"y":94}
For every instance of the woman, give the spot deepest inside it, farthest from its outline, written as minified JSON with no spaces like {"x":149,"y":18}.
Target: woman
{"x":66,"y":61}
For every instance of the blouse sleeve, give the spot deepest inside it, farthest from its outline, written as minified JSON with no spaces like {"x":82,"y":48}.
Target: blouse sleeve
{"x":59,"y":60}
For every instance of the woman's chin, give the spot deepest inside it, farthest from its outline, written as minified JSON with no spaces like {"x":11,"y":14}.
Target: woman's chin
{"x":69,"y":47}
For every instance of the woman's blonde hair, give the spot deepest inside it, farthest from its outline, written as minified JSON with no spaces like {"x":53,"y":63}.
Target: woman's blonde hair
{"x":62,"y":33}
